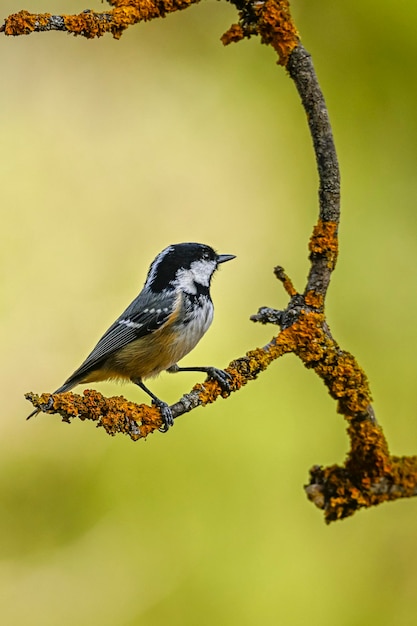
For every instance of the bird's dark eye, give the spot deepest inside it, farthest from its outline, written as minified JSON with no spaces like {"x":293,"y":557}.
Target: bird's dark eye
{"x":206,"y":255}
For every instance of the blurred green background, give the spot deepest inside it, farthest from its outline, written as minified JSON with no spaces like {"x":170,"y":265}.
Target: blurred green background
{"x":111,"y":151}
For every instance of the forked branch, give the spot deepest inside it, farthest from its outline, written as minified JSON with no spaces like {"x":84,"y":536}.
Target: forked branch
{"x":370,"y":475}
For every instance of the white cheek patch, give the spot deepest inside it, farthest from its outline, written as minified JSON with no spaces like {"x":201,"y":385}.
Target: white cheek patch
{"x":203,"y":271}
{"x":200,"y":273}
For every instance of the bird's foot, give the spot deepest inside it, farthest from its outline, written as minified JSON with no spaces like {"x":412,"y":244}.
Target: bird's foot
{"x":220,"y":376}
{"x":166,"y":414}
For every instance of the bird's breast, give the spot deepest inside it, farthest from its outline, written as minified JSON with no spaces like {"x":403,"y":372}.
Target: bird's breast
{"x":149,"y":355}
{"x":194,"y":323}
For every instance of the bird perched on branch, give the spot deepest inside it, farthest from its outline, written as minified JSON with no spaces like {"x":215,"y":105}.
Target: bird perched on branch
{"x":162,"y":324}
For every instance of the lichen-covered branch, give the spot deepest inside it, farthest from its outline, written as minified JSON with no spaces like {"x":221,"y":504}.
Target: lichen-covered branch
{"x":271,"y":20}
{"x":91,"y":24}
{"x":119,"y":415}
{"x":370,"y":475}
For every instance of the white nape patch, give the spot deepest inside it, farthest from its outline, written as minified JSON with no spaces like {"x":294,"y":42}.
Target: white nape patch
{"x":154,"y":267}
{"x":130,"y":324}
{"x":200,"y":272}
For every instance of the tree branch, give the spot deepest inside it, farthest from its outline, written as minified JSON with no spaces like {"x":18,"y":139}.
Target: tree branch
{"x":91,"y":24}
{"x":370,"y":475}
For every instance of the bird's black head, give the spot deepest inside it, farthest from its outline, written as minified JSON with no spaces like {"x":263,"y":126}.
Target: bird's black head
{"x":189,"y":266}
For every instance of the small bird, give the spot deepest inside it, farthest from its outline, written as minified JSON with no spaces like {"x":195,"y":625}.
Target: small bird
{"x":162,"y":324}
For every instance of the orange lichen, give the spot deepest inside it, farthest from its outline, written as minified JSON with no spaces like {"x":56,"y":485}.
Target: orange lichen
{"x":324,"y":241}
{"x":369,"y":455}
{"x":89,"y":24}
{"x":404,"y":475}
{"x":126,"y":13}
{"x":234,"y":34}
{"x":345,"y":380}
{"x":270,"y":19}
{"x":92,"y":24}
{"x":115,"y":415}
{"x":273,"y":22}
{"x":314,"y":299}
{"x":24,"y":23}
{"x":241,"y":371}
{"x":276,"y":27}
{"x":306,"y":338}
{"x":208,"y":392}
{"x":369,"y":476}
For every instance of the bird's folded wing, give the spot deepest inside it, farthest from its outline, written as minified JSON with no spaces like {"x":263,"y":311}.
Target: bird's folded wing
{"x":146,"y":314}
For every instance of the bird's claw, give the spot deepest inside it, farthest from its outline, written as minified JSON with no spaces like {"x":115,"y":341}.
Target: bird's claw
{"x":48,"y":405}
{"x":166,"y":414}
{"x":220,"y":376}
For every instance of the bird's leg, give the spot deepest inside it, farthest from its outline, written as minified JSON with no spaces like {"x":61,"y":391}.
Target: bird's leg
{"x":166,"y":412}
{"x":213,"y":373}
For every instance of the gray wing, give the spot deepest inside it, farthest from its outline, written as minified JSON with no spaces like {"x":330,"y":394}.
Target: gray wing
{"x":144,"y":315}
